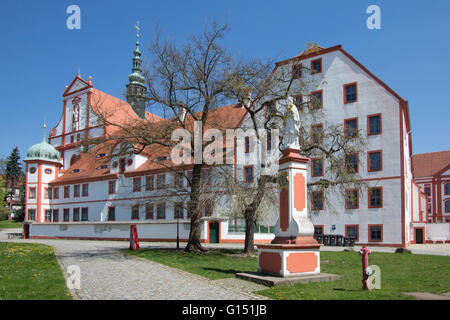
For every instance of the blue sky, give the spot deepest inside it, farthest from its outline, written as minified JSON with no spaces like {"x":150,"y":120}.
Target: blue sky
{"x":39,"y":55}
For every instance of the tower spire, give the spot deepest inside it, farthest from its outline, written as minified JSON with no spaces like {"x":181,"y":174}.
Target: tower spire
{"x":136,"y":88}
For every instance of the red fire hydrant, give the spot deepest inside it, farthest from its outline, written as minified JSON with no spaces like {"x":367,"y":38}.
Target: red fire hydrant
{"x":365,"y":265}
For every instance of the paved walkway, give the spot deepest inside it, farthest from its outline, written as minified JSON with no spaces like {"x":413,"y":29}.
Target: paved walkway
{"x":108,"y":274}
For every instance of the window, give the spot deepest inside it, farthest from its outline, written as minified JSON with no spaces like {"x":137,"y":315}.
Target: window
{"x":374,"y":124}
{"x":85,"y":190}
{"x":428,"y":191}
{"x":375,"y":161}
{"x":48,"y":193}
{"x":317,"y":167}
{"x":135,"y":212}
{"x":137,"y":184}
{"x":66,"y":191}
{"x":56,"y":193}
{"x":208,"y":209}
{"x":149,"y":211}
{"x":55,"y":215}
{"x":76,"y":190}
{"x":297,"y":71}
{"x":31,"y":214}
{"x":149,"y":183}
{"x":351,"y":199}
{"x":269,"y":140}
{"x":375,"y":197}
{"x":248,"y":173}
{"x":66,"y":215}
{"x":112,"y":187}
{"x":111,"y":213}
{"x":270,"y":108}
{"x":350,"y":127}
{"x":447,"y":189}
{"x":160,"y":181}
{"x":76,"y":214}
{"x":298,"y":100}
{"x":351,"y":163}
{"x":206,"y":175}
{"x":350,"y":93}
{"x":352,"y":231}
{"x":318,"y":230}
{"x":317,"y":133}
{"x":316,"y":66}
{"x":447,"y":206}
{"x":32,"y":170}
{"x":84,"y":214}
{"x":316,"y":99}
{"x":32,"y":193}
{"x":178,"y":210}
{"x":48,"y":215}
{"x":375,"y":233}
{"x":178,"y":180}
{"x":247,"y":145}
{"x":161,"y":211}
{"x":122,"y":165}
{"x":317,"y":200}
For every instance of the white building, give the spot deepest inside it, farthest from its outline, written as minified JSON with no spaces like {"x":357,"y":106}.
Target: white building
{"x":74,"y":194}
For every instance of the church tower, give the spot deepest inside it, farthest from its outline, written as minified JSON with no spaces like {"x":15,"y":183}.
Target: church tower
{"x":136,"y":88}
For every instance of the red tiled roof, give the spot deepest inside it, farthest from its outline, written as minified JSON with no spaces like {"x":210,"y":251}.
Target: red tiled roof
{"x":428,"y":164}
{"x":226,"y":117}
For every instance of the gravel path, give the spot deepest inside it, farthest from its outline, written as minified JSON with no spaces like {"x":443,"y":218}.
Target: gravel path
{"x":109,"y":274}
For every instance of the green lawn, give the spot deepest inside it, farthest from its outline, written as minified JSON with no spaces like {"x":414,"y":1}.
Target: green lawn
{"x":30,"y":272}
{"x":6,"y":224}
{"x":399,"y":273}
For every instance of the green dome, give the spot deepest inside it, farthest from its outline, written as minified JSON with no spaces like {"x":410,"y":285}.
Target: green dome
{"x":43,"y":151}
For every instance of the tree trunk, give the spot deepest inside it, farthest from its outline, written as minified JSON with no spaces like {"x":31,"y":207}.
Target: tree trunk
{"x":249,"y":231}
{"x":194,"y":243}
{"x":250,"y":212}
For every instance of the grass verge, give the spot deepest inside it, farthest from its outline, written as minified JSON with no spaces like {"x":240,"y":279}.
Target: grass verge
{"x":9,"y":224}
{"x":30,"y":272}
{"x":399,"y":273}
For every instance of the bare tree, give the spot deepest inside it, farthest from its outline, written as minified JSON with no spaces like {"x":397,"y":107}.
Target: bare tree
{"x":266,"y":112}
{"x":186,"y":83}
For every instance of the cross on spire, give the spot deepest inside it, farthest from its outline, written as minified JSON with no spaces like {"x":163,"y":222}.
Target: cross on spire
{"x":137,"y":29}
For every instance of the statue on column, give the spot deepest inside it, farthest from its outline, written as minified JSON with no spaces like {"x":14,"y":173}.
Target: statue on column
{"x":291,"y":128}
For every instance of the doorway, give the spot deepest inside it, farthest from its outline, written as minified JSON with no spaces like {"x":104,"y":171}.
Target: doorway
{"x":419,"y":235}
{"x":214,"y":232}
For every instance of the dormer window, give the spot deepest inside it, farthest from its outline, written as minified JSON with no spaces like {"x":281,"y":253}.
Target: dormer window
{"x":104,"y":166}
{"x":76,"y":170}
{"x":101,"y":155}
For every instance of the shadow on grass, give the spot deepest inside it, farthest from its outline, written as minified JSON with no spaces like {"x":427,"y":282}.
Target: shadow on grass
{"x":342,"y":289}
{"x":227,"y":271}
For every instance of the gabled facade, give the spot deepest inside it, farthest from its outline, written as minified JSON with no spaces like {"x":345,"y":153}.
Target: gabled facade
{"x":432,"y":174}
{"x":383,"y":213}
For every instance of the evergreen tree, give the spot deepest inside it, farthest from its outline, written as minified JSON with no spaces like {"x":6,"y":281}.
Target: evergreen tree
{"x":13,"y":171}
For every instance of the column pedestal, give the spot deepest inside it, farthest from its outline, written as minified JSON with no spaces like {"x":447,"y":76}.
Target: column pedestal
{"x":293,"y":251}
